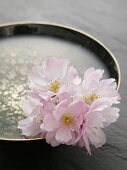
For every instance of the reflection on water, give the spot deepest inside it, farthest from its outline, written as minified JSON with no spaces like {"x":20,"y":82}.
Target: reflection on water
{"x":13,"y":84}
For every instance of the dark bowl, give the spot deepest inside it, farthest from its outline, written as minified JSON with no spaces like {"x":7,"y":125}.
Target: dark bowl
{"x":22,"y":45}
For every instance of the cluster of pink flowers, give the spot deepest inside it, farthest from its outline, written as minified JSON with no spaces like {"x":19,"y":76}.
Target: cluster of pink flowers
{"x":64,"y":109}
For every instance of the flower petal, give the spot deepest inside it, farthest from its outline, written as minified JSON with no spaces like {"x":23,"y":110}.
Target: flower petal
{"x":28,"y":127}
{"x":28,"y":106}
{"x":87,"y":144}
{"x":50,"y":138}
{"x":107,"y":90}
{"x":72,"y":76}
{"x":64,"y":96}
{"x":37,"y":79}
{"x":31,"y":130}
{"x":91,"y":78}
{"x":81,"y":142}
{"x":99,"y":105}
{"x":28,"y":120}
{"x":63,"y":134}
{"x":60,"y":109}
{"x":96,"y":137}
{"x":76,"y":107}
{"x":49,"y":123}
{"x":111,"y":115}
{"x":55,"y":68}
{"x":95,"y":119}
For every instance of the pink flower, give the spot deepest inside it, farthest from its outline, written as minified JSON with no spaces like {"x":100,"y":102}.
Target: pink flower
{"x":37,"y":105}
{"x":35,"y":109}
{"x":63,"y":110}
{"x":92,"y":77}
{"x":93,"y":88}
{"x":31,"y":106}
{"x":31,"y":126}
{"x":54,"y":74}
{"x":65,"y":121}
{"x":94,"y":121}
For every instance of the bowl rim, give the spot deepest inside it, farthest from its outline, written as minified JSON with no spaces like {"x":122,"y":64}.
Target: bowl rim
{"x":69,"y":28}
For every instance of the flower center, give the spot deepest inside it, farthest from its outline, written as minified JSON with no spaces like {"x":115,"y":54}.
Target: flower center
{"x":91,"y":98}
{"x":54,"y":87}
{"x":67,"y":119}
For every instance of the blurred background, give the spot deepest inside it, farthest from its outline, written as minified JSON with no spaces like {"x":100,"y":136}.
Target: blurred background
{"x":107,"y":21}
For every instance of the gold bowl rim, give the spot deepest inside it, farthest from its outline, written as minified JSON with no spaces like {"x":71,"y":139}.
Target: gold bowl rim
{"x":70,"y":28}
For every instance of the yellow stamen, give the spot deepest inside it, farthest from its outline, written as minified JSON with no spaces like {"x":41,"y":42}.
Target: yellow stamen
{"x":55,"y":86}
{"x":67,"y":119}
{"x":91,"y":98}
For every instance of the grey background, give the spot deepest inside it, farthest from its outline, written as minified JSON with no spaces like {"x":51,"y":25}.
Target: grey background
{"x":106,"y":20}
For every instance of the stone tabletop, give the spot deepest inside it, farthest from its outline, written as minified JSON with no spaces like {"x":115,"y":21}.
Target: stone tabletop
{"x":106,"y":20}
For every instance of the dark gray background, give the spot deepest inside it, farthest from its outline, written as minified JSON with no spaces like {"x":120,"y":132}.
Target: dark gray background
{"x":106,"y":20}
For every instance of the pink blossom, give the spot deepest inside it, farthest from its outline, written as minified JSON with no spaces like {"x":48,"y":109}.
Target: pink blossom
{"x":64,"y":110}
{"x":94,"y":121}
{"x":65,"y":120}
{"x":31,"y":106}
{"x":35,"y":109}
{"x":54,"y":75}
{"x":93,"y":88}
{"x":31,"y":126}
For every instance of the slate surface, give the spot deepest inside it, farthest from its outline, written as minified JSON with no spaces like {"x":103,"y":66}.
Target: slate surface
{"x":107,"y":20}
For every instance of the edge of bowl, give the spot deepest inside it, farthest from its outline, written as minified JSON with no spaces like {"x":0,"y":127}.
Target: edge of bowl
{"x":70,"y":28}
